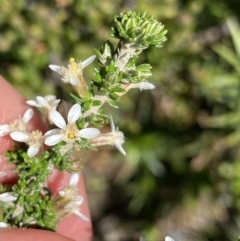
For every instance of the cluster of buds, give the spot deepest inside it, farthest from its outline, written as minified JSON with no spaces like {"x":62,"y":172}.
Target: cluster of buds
{"x":139,"y":29}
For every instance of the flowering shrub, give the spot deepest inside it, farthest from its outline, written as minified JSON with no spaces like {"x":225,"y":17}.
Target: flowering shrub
{"x":29,"y":203}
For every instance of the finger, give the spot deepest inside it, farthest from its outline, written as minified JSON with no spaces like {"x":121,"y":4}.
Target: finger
{"x":30,"y":235}
{"x":12,"y":105}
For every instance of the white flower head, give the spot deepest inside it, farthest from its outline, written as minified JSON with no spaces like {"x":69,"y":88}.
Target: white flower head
{"x":68,"y":132}
{"x":73,"y":71}
{"x":17,"y":125}
{"x":68,"y":200}
{"x":49,"y":102}
{"x":33,"y":139}
{"x":115,"y":137}
{"x":7,"y":197}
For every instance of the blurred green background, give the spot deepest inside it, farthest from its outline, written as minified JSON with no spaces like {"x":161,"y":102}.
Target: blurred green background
{"x":181,"y":175}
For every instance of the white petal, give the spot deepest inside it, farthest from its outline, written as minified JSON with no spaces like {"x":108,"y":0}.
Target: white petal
{"x":167,"y":238}
{"x":42,"y":102}
{"x":74,"y":113}
{"x":19,"y":136}
{"x":4,"y":130}
{"x":55,"y":102}
{"x":52,"y":132}
{"x":50,"y":98}
{"x":32,"y":103}
{"x":112,"y":124}
{"x":7,"y":197}
{"x":88,"y":61}
{"x":74,"y":81}
{"x":74,"y":179}
{"x":3,"y":225}
{"x":80,"y":215}
{"x":55,"y":68}
{"x":146,"y":86}
{"x":27,"y":115}
{"x":53,"y":140}
{"x":57,"y":119}
{"x":32,"y":151}
{"x":89,"y":133}
{"x":120,"y":148}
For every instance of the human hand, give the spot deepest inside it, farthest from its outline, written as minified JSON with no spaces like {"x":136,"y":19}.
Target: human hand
{"x":13,"y":105}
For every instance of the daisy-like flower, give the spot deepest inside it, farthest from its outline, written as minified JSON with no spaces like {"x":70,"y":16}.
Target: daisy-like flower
{"x":115,"y":137}
{"x":74,"y":71}
{"x":68,"y":200}
{"x":7,"y":197}
{"x":48,"y":103}
{"x":33,"y":139}
{"x":68,"y":132}
{"x":17,"y":125}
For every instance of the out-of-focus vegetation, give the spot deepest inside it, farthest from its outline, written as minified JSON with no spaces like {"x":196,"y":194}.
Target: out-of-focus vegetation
{"x":181,"y":176}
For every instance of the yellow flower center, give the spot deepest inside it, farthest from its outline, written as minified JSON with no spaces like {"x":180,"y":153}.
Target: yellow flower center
{"x":71,"y":133}
{"x":73,"y":64}
{"x":71,"y":136}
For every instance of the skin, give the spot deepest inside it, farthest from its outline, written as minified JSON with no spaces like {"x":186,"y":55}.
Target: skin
{"x":12,"y":105}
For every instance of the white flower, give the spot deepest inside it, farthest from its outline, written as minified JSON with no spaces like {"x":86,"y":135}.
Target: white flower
{"x":3,"y":225}
{"x":49,"y":102}
{"x":17,"y":125}
{"x":68,"y":200}
{"x":167,"y":238}
{"x":34,"y":140}
{"x":7,"y":197}
{"x":74,"y":70}
{"x":68,"y":132}
{"x":115,"y":137}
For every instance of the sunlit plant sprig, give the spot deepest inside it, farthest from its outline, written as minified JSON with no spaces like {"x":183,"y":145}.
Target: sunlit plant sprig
{"x":30,"y":203}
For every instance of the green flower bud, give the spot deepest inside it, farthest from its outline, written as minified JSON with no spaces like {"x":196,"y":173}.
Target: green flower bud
{"x":139,"y":29}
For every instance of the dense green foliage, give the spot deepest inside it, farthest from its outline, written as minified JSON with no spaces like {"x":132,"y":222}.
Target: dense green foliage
{"x":181,"y":176}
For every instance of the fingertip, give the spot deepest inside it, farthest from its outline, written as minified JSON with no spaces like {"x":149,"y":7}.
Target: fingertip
{"x":30,"y":235}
